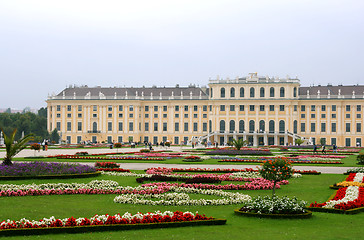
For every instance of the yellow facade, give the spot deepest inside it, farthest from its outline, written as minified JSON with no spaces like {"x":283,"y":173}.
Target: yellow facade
{"x":261,"y":110}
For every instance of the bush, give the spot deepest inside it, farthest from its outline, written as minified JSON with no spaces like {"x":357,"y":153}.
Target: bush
{"x":106,"y":165}
{"x":360,"y":158}
{"x":239,"y":152}
{"x":144,"y":150}
{"x":81,"y":153}
{"x":35,"y":146}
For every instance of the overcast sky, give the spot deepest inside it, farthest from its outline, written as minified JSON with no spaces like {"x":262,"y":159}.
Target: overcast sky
{"x":48,"y":45}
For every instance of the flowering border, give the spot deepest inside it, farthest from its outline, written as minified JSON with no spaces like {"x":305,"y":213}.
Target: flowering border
{"x":106,"y":223}
{"x":307,"y":214}
{"x":61,"y":176}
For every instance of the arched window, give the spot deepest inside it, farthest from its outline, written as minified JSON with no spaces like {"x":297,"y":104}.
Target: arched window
{"x":232,"y":92}
{"x":210,"y":126}
{"x":281,"y":126}
{"x":222,"y":92}
{"x":241,"y":92}
{"x":211,"y":92}
{"x":94,"y":127}
{"x":252,"y":92}
{"x":262,"y":93}
{"x":271,"y":92}
{"x":294,"y":92}
{"x":251,"y":126}
{"x":222,"y":126}
{"x":241,"y":126}
{"x":271,"y":126}
{"x":281,"y":92}
{"x":261,"y":126}
{"x":232,"y":125}
{"x":295,"y":126}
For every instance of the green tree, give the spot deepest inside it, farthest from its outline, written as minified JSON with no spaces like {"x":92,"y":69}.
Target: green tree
{"x":12,"y":147}
{"x":276,"y":170}
{"x":42,"y":112}
{"x":322,"y":141}
{"x":8,"y":110}
{"x":298,"y":141}
{"x":55,"y":136}
{"x":238,"y":143}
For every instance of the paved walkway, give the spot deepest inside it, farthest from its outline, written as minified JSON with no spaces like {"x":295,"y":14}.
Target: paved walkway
{"x":142,"y":166}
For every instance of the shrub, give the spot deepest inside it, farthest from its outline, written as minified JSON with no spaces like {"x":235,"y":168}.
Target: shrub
{"x":106,"y":165}
{"x":35,"y":146}
{"x":239,"y":152}
{"x":81,"y":153}
{"x":144,"y":150}
{"x":360,"y":158}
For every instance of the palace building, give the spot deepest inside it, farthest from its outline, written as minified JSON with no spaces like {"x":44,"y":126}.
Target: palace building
{"x":262,"y":110}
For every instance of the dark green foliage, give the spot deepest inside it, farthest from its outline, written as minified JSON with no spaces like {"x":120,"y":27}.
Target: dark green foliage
{"x":12,"y":148}
{"x":54,"y":136}
{"x":360,"y":158}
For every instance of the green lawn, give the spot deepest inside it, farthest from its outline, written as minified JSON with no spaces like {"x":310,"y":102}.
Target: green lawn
{"x":309,"y":188}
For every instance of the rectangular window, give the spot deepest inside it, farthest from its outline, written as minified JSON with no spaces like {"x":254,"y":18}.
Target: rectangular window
{"x":176,"y":115}
{"x":195,"y":127}
{"x":58,"y":115}
{"x":186,"y":107}
{"x":120,"y":108}
{"x":69,"y":108}
{"x":79,"y":138}
{"x":241,"y":107}
{"x":323,"y":127}
{"x":164,"y":108}
{"x":69,"y":115}
{"x":79,"y":126}
{"x":195,"y":115}
{"x":313,"y":115}
{"x":303,"y":108}
{"x":94,"y":115}
{"x":176,"y":108}
{"x":146,"y":126}
{"x":347,"y":142}
{"x":295,"y":108}
{"x":347,"y":108}
{"x":323,"y":115}
{"x":131,"y":115}
{"x":281,"y":108}
{"x":79,"y":115}
{"x":109,"y":126}
{"x":155,"y":108}
{"x":261,"y":108}
{"x":109,"y":108}
{"x":176,"y":140}
{"x":155,"y":115}
{"x":303,"y":115}
{"x":69,"y":126}
{"x":313,"y":127}
{"x":323,"y":107}
{"x":210,"y":108}
{"x":131,"y":126}
{"x":303,"y":127}
{"x":186,"y":115}
{"x":333,"y":107}
{"x":358,"y":115}
{"x":164,"y":115}
{"x":146,"y":108}
{"x":195,"y":108}
{"x":251,"y":107}
{"x":222,"y":108}
{"x":131,"y":108}
{"x":358,"y":108}
{"x":204,"y":115}
{"x":313,"y":108}
{"x":176,"y":126}
{"x":271,"y":108}
{"x":94,"y":107}
{"x":109,"y":115}
{"x":58,"y":108}
{"x":146,"y":115}
{"x":347,"y":127}
{"x":204,"y":108}
{"x":347,"y":115}
{"x":58,"y":126}
{"x":333,"y":115}
{"x":333,"y":141}
{"x":185,"y":127}
{"x":204,"y":127}
{"x":164,"y":126}
{"x":155,"y":127}
{"x":358,"y":127}
{"x":232,"y":108}
{"x":333,"y":127}
{"x":79,"y":108}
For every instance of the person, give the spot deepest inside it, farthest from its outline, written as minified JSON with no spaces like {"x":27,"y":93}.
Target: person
{"x":150,"y":146}
{"x":46,"y":145}
{"x":323,"y":149}
{"x":314,"y":148}
{"x":358,"y":144}
{"x":43,"y":145}
{"x":334,"y":148}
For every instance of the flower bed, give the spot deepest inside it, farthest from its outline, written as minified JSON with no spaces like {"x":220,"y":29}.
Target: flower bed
{"x":292,"y":161}
{"x":354,"y":179}
{"x":275,"y":207}
{"x":355,"y":170}
{"x":347,"y":200}
{"x":106,"y":223}
{"x":33,"y":169}
{"x":106,"y":165}
{"x":110,"y":158}
{"x":113,"y":169}
{"x":259,"y":152}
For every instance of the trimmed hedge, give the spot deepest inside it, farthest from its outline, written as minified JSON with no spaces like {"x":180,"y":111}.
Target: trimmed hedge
{"x":334,"y":210}
{"x":63,"y":176}
{"x":307,"y":214}
{"x":101,"y":228}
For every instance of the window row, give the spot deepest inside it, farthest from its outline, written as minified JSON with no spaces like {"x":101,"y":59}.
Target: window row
{"x":253,"y":128}
{"x":252,"y":92}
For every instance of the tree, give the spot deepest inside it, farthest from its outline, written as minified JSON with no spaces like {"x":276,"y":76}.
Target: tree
{"x":298,"y":141}
{"x":238,"y":143}
{"x":8,"y":110}
{"x":322,"y":141}
{"x":276,"y":170}
{"x":35,"y":147}
{"x":13,"y":148}
{"x":42,"y":112}
{"x":55,"y":136}
{"x":117,"y":146}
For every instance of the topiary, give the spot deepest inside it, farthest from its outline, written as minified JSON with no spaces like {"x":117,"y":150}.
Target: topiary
{"x":360,"y":158}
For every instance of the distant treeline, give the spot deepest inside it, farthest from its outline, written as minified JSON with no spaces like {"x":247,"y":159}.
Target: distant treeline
{"x":26,"y":122}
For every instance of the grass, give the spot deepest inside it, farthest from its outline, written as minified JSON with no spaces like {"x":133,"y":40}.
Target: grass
{"x":310,"y":188}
